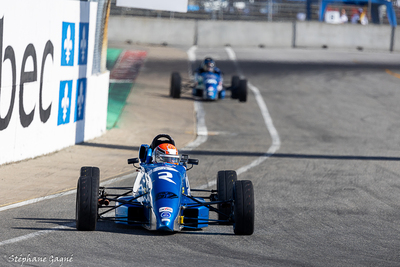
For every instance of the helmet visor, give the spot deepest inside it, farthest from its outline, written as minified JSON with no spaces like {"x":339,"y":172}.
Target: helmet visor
{"x":210,"y":66}
{"x":167,"y":158}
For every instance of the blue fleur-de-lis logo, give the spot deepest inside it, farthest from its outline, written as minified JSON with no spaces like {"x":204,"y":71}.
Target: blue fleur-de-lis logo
{"x":64,"y":106}
{"x":80,"y":99}
{"x":83,"y":43}
{"x":68,"y":44}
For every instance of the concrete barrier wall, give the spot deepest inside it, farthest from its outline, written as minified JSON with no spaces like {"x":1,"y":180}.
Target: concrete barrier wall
{"x":247,"y":34}
{"x":244,"y":33}
{"x":312,"y":34}
{"x":151,"y":31}
{"x":49,"y":99}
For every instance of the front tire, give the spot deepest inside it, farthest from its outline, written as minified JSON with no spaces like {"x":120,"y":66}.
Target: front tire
{"x":243,"y":208}
{"x":176,"y":84}
{"x":242,"y":91}
{"x":225,"y":181}
{"x":87,"y":197}
{"x":235,"y":87}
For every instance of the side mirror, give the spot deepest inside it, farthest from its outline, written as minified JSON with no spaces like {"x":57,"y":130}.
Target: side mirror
{"x":133,"y":161}
{"x":184,"y":158}
{"x":193,"y":161}
{"x":148,"y":156}
{"x":143,"y":152}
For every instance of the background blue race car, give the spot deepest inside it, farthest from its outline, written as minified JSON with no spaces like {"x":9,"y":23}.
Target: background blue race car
{"x":161,"y":198}
{"x":208,"y":86}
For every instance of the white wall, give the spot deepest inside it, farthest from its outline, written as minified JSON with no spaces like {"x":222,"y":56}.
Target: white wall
{"x":37,"y":31}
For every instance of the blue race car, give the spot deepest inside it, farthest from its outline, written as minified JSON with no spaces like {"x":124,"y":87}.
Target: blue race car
{"x":208,"y":84}
{"x":161,"y":198}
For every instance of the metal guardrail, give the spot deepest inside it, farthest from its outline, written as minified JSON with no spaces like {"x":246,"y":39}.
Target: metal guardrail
{"x":250,"y":10}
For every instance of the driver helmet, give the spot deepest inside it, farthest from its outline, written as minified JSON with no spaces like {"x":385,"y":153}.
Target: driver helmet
{"x":166,"y":153}
{"x":208,"y":64}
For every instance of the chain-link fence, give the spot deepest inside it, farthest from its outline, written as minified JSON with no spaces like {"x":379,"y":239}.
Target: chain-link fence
{"x":265,"y":10}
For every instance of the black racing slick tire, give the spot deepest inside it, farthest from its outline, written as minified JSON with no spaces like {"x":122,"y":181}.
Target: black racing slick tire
{"x":176,"y":85}
{"x":242,"y":91}
{"x":225,"y":181}
{"x":243,"y":208}
{"x":87,"y":197}
{"x":235,"y":87}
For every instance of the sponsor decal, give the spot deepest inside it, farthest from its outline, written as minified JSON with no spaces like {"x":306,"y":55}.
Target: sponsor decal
{"x":165,"y":220}
{"x":67,"y":44}
{"x":64,"y":106}
{"x":165,"y":214}
{"x":80,"y":99}
{"x":169,"y":195}
{"x":167,"y":209}
{"x":10,"y":57}
{"x":83,"y":43}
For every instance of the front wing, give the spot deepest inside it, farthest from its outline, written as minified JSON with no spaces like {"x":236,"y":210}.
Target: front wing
{"x":117,"y":204}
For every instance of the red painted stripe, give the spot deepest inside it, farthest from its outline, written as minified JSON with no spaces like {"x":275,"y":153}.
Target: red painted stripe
{"x":128,"y":65}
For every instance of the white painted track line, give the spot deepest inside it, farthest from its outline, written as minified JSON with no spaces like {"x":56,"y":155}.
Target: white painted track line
{"x":201,"y":128}
{"x":35,"y":234}
{"x":202,"y":132}
{"x":57,"y":228}
{"x":276,"y":143}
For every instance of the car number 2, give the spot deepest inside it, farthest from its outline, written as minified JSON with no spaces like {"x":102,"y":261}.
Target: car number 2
{"x":166,"y":176}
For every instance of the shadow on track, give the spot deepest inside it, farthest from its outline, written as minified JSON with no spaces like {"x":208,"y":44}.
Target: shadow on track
{"x":255,"y":154}
{"x":109,"y":227}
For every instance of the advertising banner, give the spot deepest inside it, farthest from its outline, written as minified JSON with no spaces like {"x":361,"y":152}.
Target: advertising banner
{"x":46,"y":55}
{"x":170,"y":5}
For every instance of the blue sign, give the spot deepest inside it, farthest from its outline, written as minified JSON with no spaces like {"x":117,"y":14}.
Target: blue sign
{"x":64,"y":103}
{"x":80,"y":99}
{"x":67,"y":44}
{"x":83,"y":43}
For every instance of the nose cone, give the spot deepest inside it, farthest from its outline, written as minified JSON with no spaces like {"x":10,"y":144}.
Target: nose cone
{"x":166,"y":225}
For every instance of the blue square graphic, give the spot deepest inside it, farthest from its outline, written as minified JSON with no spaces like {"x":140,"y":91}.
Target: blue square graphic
{"x":83,"y":43}
{"x":64,"y":103}
{"x":68,"y":44}
{"x":80,"y":99}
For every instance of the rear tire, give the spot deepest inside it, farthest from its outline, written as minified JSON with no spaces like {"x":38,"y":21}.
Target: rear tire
{"x":243,"y":208}
{"x":176,"y":84}
{"x":242,"y":91}
{"x":87,"y":197}
{"x":235,"y":87}
{"x":225,"y":181}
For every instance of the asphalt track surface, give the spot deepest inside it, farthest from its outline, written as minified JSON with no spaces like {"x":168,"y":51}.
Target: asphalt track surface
{"x":329,"y":196}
